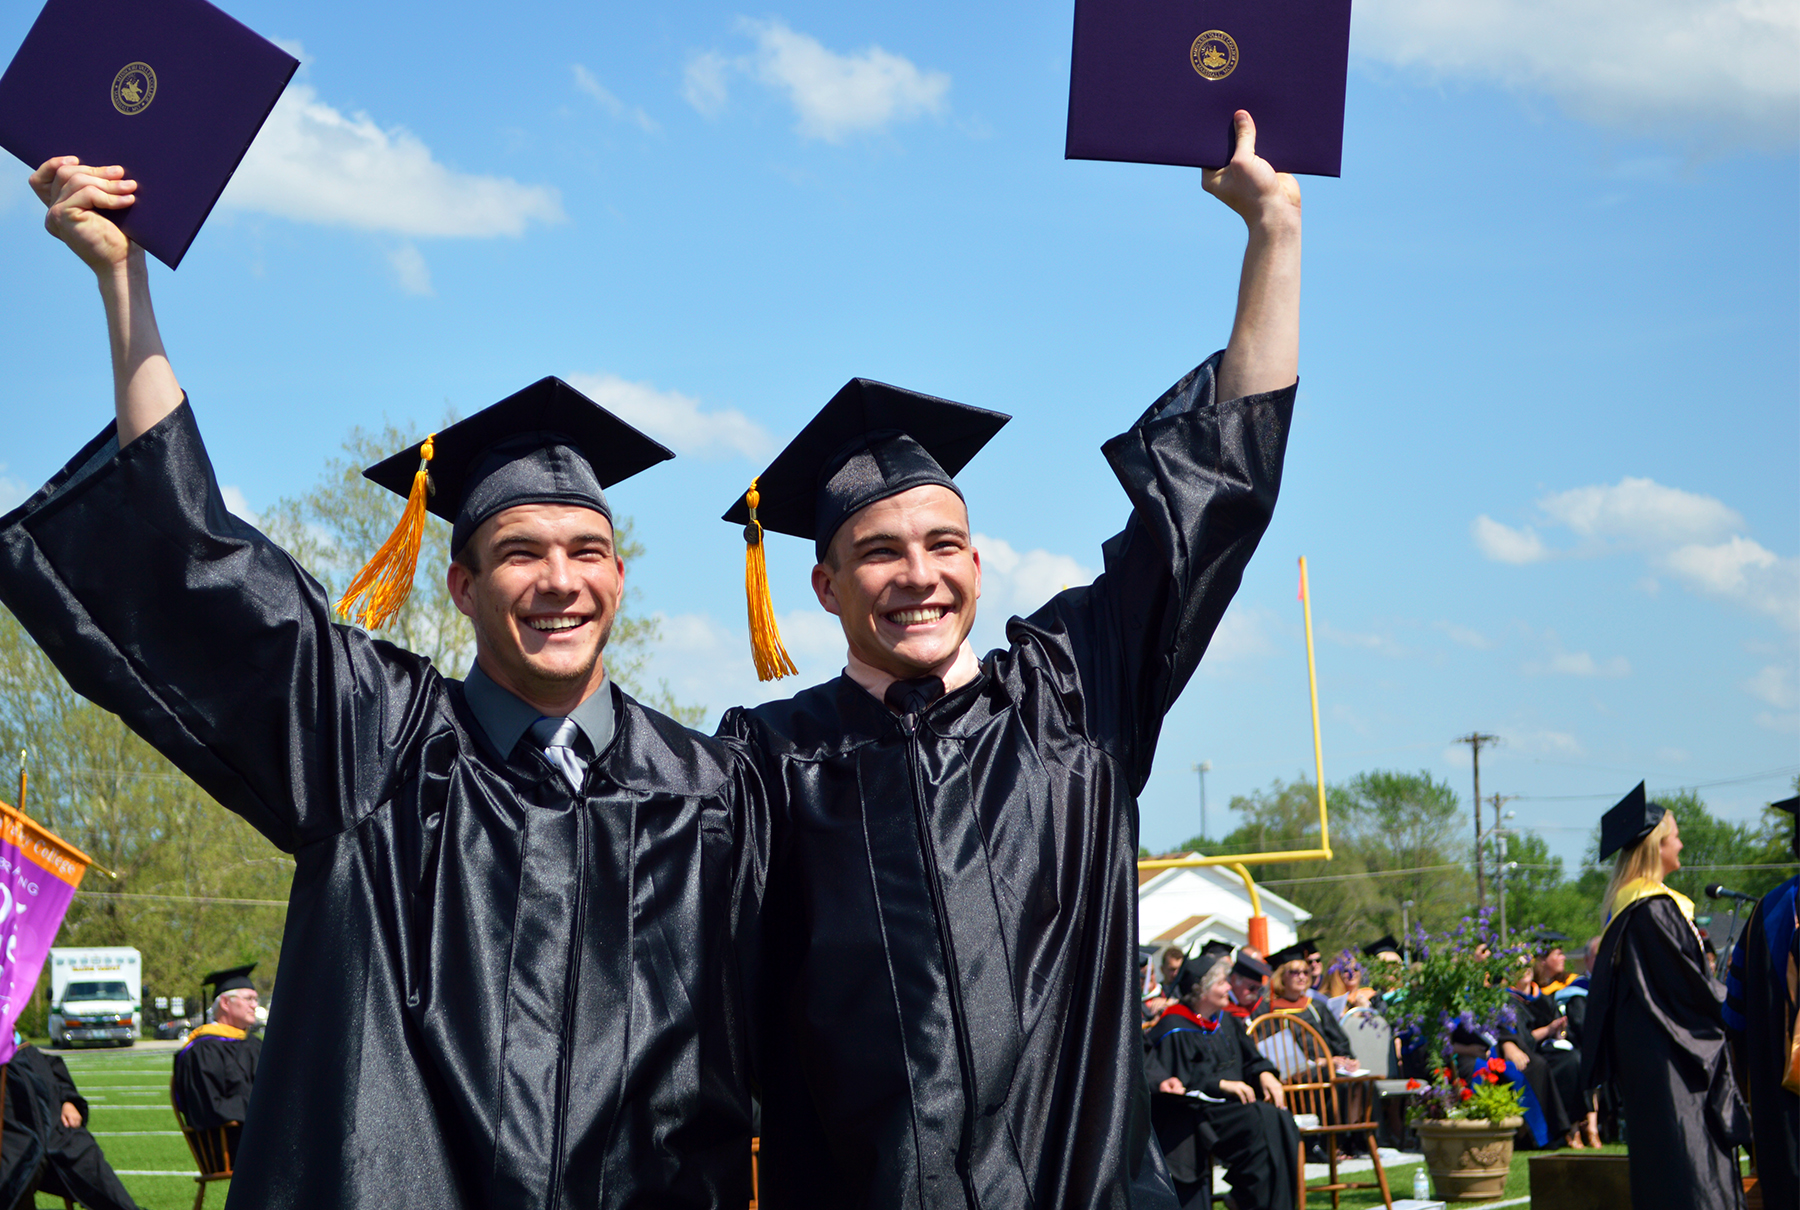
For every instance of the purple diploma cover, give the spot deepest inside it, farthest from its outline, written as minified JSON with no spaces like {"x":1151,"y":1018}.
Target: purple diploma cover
{"x":1156,"y":81}
{"x":173,"y":90}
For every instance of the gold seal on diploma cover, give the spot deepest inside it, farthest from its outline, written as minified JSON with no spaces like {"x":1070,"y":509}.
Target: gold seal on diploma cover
{"x":135,"y":87}
{"x":1214,"y":54}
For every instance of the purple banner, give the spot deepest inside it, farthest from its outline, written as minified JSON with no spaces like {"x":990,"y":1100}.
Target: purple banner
{"x":38,"y":877}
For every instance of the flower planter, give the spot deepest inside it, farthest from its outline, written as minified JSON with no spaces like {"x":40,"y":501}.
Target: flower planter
{"x":1469,"y":1158}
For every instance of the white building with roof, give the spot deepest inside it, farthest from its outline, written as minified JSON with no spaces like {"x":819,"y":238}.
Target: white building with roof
{"x":1191,"y":905}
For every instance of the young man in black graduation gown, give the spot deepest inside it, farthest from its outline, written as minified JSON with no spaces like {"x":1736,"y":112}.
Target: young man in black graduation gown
{"x":1242,"y":1124}
{"x":1760,"y":1017}
{"x":215,"y":1069}
{"x":518,"y":899}
{"x":954,"y":1014}
{"x":42,"y":1101}
{"x":1657,"y":1028}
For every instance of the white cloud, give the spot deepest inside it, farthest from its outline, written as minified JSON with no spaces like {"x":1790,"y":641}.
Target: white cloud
{"x":1504,"y":544}
{"x":1015,"y":581}
{"x":312,"y":164}
{"x":1719,"y":69}
{"x":237,"y":504}
{"x":834,"y":95}
{"x":1244,"y":633}
{"x":1775,"y":684}
{"x":1558,"y":661}
{"x":585,"y":81}
{"x":411,"y":273}
{"x":1786,"y":724}
{"x":1692,"y":538}
{"x":1465,"y":635}
{"x":704,"y":83}
{"x":1641,"y":512}
{"x":676,"y":419}
{"x":12,"y":493}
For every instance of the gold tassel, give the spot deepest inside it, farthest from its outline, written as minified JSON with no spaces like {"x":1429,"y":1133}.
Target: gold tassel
{"x":772,"y":662}
{"x":386,"y":580}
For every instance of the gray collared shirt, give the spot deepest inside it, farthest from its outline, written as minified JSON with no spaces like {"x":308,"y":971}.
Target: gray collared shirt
{"x":505,"y":718}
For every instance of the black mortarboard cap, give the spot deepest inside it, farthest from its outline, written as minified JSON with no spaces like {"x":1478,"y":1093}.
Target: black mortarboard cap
{"x":870,"y":442}
{"x":1281,"y":957}
{"x":1191,"y":972}
{"x":1545,"y":940}
{"x":546,"y":444}
{"x":1309,"y":945}
{"x":228,"y":980}
{"x":1250,"y":968}
{"x":1628,"y":821}
{"x":172,"y":90}
{"x":1215,"y":949}
{"x":1381,"y":945}
{"x":1792,"y":807}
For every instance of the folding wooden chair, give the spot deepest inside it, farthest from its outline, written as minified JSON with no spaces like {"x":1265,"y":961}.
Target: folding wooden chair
{"x":212,"y":1149}
{"x":1310,"y":1082}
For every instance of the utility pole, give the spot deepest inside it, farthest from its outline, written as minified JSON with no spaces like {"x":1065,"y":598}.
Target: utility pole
{"x":1203,"y":768}
{"x":1475,"y":740}
{"x":1500,"y":833}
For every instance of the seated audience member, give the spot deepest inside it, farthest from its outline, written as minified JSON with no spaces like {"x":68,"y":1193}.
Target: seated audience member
{"x":1344,"y":988}
{"x":1549,"y":968}
{"x":1571,"y":1004}
{"x":1526,"y":1043}
{"x":1287,"y":994}
{"x":215,"y":1069}
{"x":1315,"y":966}
{"x":1154,"y":998}
{"x":41,"y":1097}
{"x":1248,"y":979}
{"x":1170,"y":962}
{"x":1201,"y":1047}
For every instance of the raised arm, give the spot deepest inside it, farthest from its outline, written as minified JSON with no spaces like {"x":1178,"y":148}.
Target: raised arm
{"x":77,"y":197}
{"x":1264,"y":352}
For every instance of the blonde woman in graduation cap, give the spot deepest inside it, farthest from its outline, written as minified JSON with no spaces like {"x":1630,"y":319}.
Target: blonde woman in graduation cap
{"x":1655,"y":1027}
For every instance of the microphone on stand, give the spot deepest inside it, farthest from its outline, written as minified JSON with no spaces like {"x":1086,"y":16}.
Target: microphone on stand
{"x":1717,"y":891}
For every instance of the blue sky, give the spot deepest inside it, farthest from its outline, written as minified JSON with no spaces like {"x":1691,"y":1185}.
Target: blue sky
{"x":1543,"y":466}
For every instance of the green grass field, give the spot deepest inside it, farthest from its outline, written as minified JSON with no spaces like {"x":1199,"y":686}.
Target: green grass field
{"x":129,"y":1114}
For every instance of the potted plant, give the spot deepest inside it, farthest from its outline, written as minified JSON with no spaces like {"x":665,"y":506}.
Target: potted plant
{"x":1452,"y":995}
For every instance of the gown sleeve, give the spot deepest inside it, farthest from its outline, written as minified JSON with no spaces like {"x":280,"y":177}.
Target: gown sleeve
{"x":1202,"y":476}
{"x":159,"y":605}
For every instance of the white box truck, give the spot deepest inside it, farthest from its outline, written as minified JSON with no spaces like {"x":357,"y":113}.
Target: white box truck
{"x":96,"y":997}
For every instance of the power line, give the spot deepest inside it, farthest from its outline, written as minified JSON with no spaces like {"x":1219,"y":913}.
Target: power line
{"x":281,"y":903}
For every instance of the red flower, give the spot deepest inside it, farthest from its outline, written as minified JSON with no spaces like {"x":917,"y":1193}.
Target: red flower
{"x":1497,"y":1066}
{"x":1467,"y":1095}
{"x":1490,"y":1077}
{"x":1411,"y":1085}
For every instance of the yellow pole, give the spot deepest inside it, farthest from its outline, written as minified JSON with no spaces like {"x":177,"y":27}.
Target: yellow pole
{"x":1312,"y":681}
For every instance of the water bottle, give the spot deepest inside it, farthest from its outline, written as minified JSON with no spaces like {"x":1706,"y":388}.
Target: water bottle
{"x":1421,"y":1186}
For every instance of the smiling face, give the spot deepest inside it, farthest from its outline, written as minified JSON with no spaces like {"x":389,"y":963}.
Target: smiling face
{"x":1671,"y":848}
{"x":1214,"y":999}
{"x":903,"y":578}
{"x":543,"y":592}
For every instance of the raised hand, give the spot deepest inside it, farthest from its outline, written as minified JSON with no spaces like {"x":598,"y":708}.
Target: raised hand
{"x":77,"y":196}
{"x":1248,"y":184}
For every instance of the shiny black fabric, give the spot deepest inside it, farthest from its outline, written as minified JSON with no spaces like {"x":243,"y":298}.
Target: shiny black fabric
{"x":74,"y":1165}
{"x":1765,"y":1008}
{"x":1258,"y":1144}
{"x":499,"y":995}
{"x":952,"y":902}
{"x":1656,"y":1034}
{"x":212,"y":1079}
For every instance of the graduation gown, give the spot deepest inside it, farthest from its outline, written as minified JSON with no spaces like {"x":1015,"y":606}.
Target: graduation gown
{"x":1258,"y":1144}
{"x":952,"y":907}
{"x":511,"y":995}
{"x":213,"y":1076}
{"x":1657,"y":1035}
{"x":38,"y":1085}
{"x":1759,"y":1012}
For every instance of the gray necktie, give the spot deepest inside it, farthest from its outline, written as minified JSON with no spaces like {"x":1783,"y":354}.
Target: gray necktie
{"x":557,"y":738}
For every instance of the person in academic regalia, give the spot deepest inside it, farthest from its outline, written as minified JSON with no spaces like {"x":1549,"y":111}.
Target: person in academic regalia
{"x":1760,"y":1015}
{"x":41,"y":1096}
{"x":1243,"y":1122}
{"x":1249,"y":982}
{"x":1655,"y":1027}
{"x":215,"y":1069}
{"x":1553,"y":1072}
{"x":1289,"y":993}
{"x":522,"y":901}
{"x":950,"y":936}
